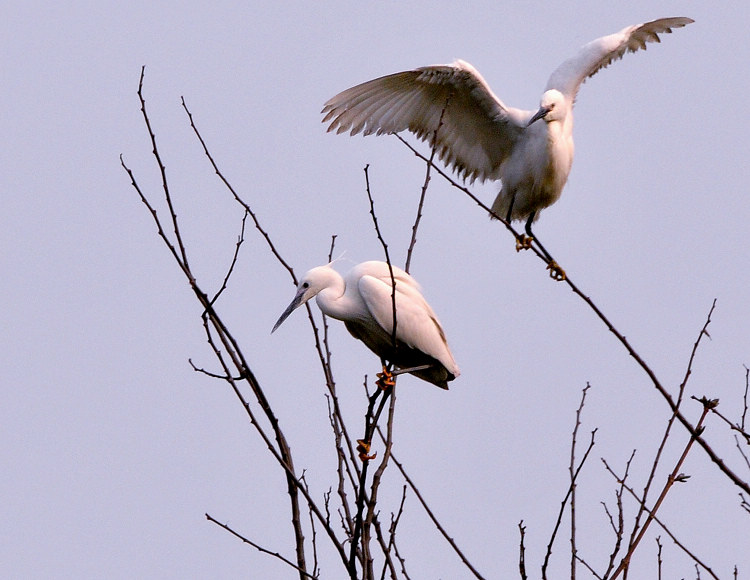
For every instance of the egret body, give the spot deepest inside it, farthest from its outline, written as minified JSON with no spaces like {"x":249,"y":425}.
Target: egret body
{"x":481,"y":137}
{"x":363,"y":301}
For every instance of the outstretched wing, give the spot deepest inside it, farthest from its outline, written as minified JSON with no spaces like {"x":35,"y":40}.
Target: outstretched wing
{"x":601,"y":52}
{"x":478,"y":130}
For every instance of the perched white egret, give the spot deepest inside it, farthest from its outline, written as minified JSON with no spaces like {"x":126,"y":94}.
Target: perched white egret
{"x":481,"y":137}
{"x":363,"y":301}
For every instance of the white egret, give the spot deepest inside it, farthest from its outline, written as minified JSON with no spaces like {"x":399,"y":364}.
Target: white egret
{"x":363,"y":301}
{"x":481,"y":137}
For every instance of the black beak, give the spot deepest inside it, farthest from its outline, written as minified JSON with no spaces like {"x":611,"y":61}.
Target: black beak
{"x":540,"y":114}
{"x":296,"y":303}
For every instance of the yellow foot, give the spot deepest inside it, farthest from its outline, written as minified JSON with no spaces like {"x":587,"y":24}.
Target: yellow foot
{"x":385,"y":380}
{"x":523,"y":243}
{"x":363,"y":447}
{"x":555,"y":271}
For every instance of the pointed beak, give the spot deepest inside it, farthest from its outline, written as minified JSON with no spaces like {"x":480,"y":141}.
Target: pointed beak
{"x":296,"y":303}
{"x":540,"y":114}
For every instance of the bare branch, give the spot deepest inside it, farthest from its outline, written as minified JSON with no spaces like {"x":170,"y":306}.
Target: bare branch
{"x":240,"y":240}
{"x":522,"y":552}
{"x":314,"y":540}
{"x":545,"y":257}
{"x":163,"y":172}
{"x":563,"y":503}
{"x":619,"y":529}
{"x":701,"y":334}
{"x":385,"y":252}
{"x":429,"y":165}
{"x":280,"y":450}
{"x":210,"y":374}
{"x":661,"y":524}
{"x":571,"y":471}
{"x":378,"y":475}
{"x":303,"y":572}
{"x":744,"y":504}
{"x":431,"y":515}
{"x":395,"y":519}
{"x":590,"y":569}
{"x":658,"y":556}
{"x":675,"y":476}
{"x":237,"y":198}
{"x":371,"y":421}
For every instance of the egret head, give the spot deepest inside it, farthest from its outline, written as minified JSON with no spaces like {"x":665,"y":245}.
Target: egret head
{"x":310,"y":285}
{"x":551,"y":107}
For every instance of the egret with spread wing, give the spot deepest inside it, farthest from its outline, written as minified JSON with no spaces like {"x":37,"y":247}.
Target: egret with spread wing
{"x":363,"y":301}
{"x":481,"y":137}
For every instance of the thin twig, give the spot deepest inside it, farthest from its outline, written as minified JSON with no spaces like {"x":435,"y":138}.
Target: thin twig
{"x":667,"y":431}
{"x":732,"y":426}
{"x":385,"y":252}
{"x":395,"y":519}
{"x":620,"y":527}
{"x":675,"y":476}
{"x":590,"y":569}
{"x":260,"y":548}
{"x":377,"y":477}
{"x":371,"y":421}
{"x":283,"y":453}
{"x":163,"y":172}
{"x":522,"y":551}
{"x":431,"y":515}
{"x":661,"y":524}
{"x":240,"y":240}
{"x":208,"y":373}
{"x":571,"y":471}
{"x":658,"y":556}
{"x":237,"y":198}
{"x":426,"y":183}
{"x":314,"y":539}
{"x":563,"y":503}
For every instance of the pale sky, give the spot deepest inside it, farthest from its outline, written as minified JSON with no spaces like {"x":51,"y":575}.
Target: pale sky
{"x":113,"y":449}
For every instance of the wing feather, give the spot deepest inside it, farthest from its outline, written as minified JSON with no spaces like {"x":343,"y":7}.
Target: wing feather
{"x":478,"y":131}
{"x":600,"y":53}
{"x":417,"y":325}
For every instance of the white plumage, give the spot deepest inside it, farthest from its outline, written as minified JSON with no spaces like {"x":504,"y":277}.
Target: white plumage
{"x":363,"y":301}
{"x":481,"y":137}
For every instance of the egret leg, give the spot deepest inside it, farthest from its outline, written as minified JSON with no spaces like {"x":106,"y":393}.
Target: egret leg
{"x":555,"y":271}
{"x":510,"y":209}
{"x":524,"y":241}
{"x":530,"y":221}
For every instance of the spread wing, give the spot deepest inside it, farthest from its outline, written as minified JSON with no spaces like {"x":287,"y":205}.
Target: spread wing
{"x":478,"y":130}
{"x":603,"y":51}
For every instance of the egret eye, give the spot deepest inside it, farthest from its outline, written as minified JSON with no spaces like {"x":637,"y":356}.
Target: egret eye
{"x":420,"y":349}
{"x":482,"y":138}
